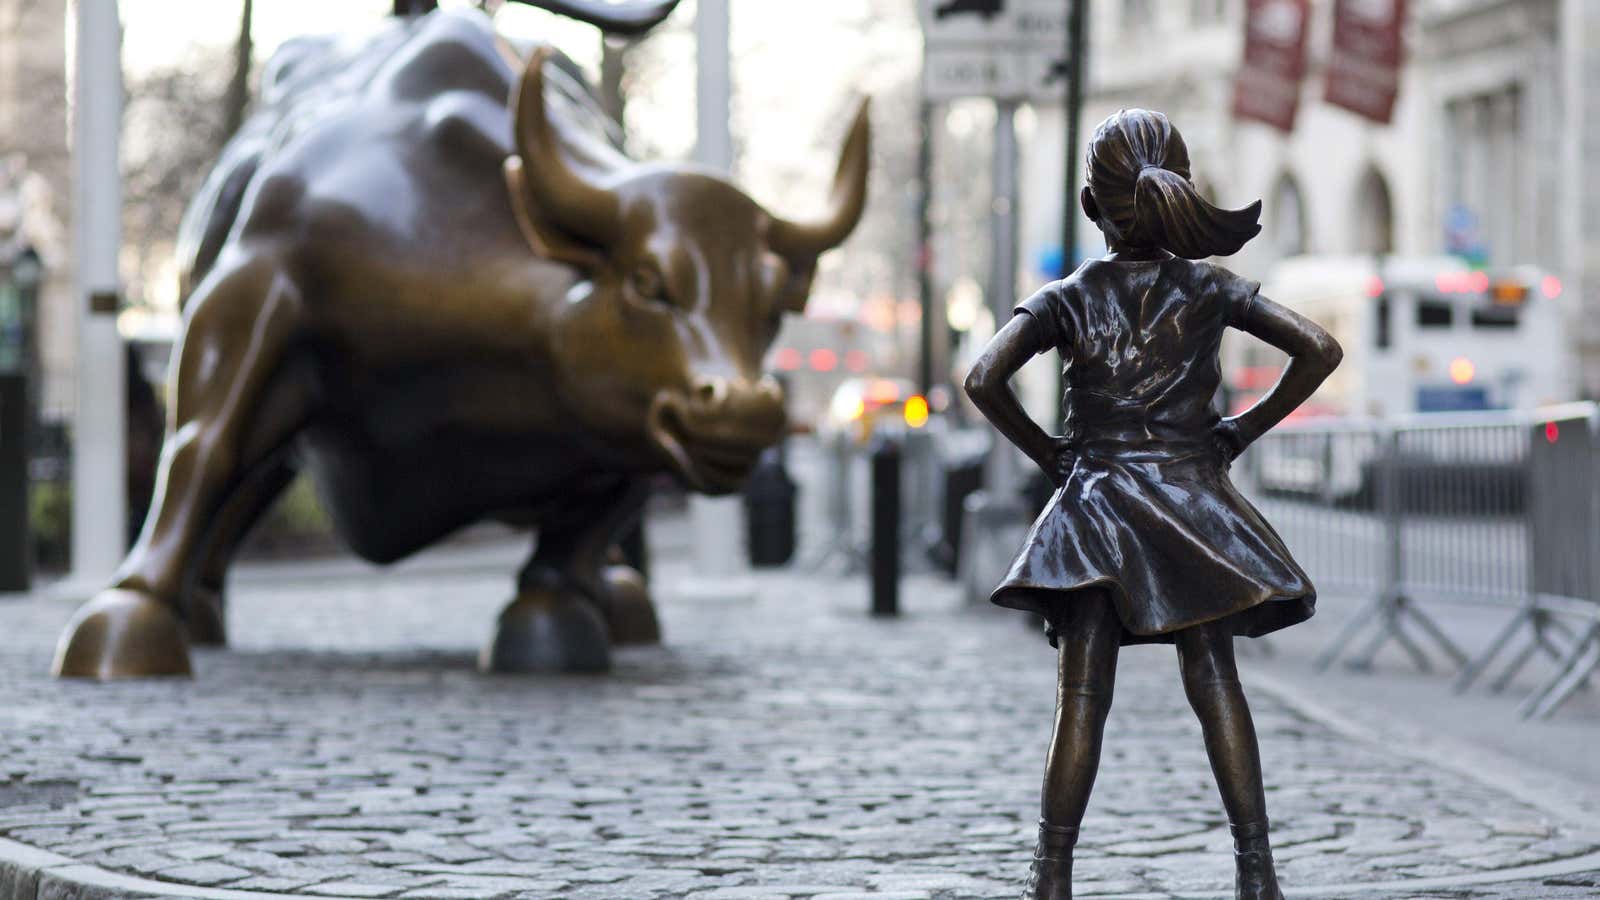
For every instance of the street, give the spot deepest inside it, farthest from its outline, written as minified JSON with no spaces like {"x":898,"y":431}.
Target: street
{"x":347,"y":747}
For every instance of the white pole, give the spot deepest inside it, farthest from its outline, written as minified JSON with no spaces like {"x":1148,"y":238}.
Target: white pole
{"x":717,"y":522}
{"x":99,"y":488}
{"x":713,"y":91}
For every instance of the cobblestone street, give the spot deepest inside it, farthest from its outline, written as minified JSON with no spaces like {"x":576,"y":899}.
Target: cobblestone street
{"x":781,"y":744}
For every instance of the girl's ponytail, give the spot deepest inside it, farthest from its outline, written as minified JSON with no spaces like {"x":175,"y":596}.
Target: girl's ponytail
{"x":1138,"y":175}
{"x":1172,"y":215}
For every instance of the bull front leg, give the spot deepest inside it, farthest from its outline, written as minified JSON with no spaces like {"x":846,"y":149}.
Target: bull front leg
{"x":205,"y":600}
{"x":573,"y":602}
{"x":233,"y":409}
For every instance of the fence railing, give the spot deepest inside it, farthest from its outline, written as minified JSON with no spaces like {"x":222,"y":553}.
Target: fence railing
{"x":1497,"y":509}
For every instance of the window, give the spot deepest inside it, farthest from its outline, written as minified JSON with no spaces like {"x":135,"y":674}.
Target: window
{"x":1374,"y":216}
{"x":1137,"y":14}
{"x":1380,"y":325}
{"x":1287,"y":222}
{"x":1486,"y":164}
{"x":1434,"y":313}
{"x":1494,"y":317}
{"x":1205,"y":12}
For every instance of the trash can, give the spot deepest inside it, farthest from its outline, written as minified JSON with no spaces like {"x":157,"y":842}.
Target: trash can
{"x":769,"y":503}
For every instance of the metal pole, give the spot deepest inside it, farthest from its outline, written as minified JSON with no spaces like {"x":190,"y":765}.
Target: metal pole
{"x":925,"y":248}
{"x":1077,"y":49}
{"x":717,"y":522}
{"x":1000,"y":476}
{"x":99,"y":467}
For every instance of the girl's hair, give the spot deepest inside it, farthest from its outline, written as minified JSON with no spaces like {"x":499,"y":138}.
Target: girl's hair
{"x":1138,"y":172}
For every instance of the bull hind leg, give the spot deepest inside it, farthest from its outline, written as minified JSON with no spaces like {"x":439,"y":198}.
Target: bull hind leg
{"x":573,"y":603}
{"x":204,"y":600}
{"x":231,"y":410}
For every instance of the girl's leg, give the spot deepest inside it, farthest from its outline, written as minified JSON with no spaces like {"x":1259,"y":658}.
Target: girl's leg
{"x":1211,"y":681}
{"x":1089,"y":638}
{"x":1088,"y":635}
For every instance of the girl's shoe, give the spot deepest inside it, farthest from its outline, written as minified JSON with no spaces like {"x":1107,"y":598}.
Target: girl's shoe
{"x":1252,"y":856}
{"x":1051,"y":875}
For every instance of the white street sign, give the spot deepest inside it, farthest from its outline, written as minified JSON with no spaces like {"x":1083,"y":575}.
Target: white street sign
{"x":1006,"y":73}
{"x":992,"y":22}
{"x":1007,"y":49}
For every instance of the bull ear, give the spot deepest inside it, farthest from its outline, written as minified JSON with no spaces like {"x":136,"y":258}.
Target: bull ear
{"x":803,"y":241}
{"x":562,"y":213}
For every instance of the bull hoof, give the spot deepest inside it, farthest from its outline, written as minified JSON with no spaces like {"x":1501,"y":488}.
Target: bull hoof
{"x":629,"y":613}
{"x":122,"y":634}
{"x":208,"y":626}
{"x":548,"y":630}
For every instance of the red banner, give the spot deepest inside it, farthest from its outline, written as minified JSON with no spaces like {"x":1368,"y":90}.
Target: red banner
{"x":1364,"y":67}
{"x":1267,"y":87}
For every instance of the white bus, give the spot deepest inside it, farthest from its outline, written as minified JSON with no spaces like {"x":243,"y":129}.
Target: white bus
{"x":1419,"y":335}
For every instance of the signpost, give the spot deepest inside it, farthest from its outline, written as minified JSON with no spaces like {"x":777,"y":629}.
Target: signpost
{"x":1013,"y":52}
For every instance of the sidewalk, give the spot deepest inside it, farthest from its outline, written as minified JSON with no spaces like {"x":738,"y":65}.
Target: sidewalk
{"x":781,"y":744}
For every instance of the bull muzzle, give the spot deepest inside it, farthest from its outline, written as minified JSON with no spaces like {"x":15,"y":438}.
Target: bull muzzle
{"x":712,"y":433}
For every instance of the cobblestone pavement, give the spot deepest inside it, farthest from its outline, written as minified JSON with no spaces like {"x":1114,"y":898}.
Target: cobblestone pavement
{"x":781,"y":744}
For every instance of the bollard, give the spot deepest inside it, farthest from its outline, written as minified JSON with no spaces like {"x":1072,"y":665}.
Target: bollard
{"x":16,"y":548}
{"x":886,"y":527}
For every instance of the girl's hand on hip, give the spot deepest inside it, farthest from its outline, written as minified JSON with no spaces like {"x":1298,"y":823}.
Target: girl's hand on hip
{"x":1061,"y":464}
{"x":1229,"y":439}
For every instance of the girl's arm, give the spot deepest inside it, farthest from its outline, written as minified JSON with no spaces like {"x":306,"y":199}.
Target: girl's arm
{"x":1313,"y":355}
{"x":989,"y":386}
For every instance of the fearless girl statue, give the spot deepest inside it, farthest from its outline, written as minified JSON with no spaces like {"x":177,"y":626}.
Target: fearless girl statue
{"x":1146,"y":539}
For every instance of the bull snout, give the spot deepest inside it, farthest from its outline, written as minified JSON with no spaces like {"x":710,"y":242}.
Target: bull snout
{"x":713,"y":432}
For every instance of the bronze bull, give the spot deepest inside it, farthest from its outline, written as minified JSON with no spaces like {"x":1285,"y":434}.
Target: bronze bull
{"x":445,"y":308}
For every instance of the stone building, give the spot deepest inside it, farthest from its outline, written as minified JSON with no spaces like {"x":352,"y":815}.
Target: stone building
{"x":1497,"y":121}
{"x":36,"y":179}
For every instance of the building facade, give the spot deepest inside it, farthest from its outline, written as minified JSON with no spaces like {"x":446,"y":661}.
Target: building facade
{"x":1488,"y":154}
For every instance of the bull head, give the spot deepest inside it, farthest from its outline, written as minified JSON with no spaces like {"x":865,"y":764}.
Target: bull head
{"x":684,"y":282}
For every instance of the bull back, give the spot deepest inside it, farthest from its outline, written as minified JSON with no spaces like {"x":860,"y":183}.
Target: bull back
{"x":449,"y":59}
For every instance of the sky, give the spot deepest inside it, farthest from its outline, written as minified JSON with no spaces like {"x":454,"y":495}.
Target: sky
{"x":775,"y":46}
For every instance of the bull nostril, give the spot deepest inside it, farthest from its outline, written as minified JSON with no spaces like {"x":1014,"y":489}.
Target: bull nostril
{"x":770,"y":389}
{"x":711,"y":392}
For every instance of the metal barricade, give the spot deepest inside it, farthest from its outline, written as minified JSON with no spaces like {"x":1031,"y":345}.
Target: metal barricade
{"x":1497,"y":509}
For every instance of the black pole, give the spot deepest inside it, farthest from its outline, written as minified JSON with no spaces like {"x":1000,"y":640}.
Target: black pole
{"x":1077,"y":49}
{"x":886,"y":528}
{"x":925,"y":248}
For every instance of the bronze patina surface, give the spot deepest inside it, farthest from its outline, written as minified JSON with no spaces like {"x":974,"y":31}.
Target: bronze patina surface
{"x":1146,"y":539}
{"x":446,"y":306}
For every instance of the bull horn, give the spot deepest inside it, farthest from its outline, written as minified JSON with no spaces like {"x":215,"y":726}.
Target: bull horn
{"x":802,"y":240}
{"x":628,"y":19}
{"x":559,"y":192}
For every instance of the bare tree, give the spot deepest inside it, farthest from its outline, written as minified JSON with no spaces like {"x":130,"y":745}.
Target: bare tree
{"x":173,"y":129}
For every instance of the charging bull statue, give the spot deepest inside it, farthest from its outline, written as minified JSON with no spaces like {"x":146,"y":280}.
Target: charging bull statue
{"x":447,"y":307}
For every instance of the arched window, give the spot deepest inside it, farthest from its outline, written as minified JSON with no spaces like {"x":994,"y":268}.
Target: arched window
{"x":1374,"y":215}
{"x":1286,"y":218}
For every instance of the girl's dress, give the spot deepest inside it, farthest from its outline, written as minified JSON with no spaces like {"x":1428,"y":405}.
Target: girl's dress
{"x":1147,"y":512}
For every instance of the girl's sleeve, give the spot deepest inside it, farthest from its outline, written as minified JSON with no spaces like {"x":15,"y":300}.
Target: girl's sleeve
{"x":1045,"y":307}
{"x":1238,"y":296}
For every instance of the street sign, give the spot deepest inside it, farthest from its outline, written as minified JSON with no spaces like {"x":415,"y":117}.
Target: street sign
{"x":1005,"y":49}
{"x":1002,"y":73}
{"x":989,"y":23}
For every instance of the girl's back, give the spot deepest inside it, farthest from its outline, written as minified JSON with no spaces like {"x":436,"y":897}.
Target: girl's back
{"x":1140,"y":340}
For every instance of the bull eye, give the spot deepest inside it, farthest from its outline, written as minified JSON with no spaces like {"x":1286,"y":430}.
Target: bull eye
{"x":650,"y":286}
